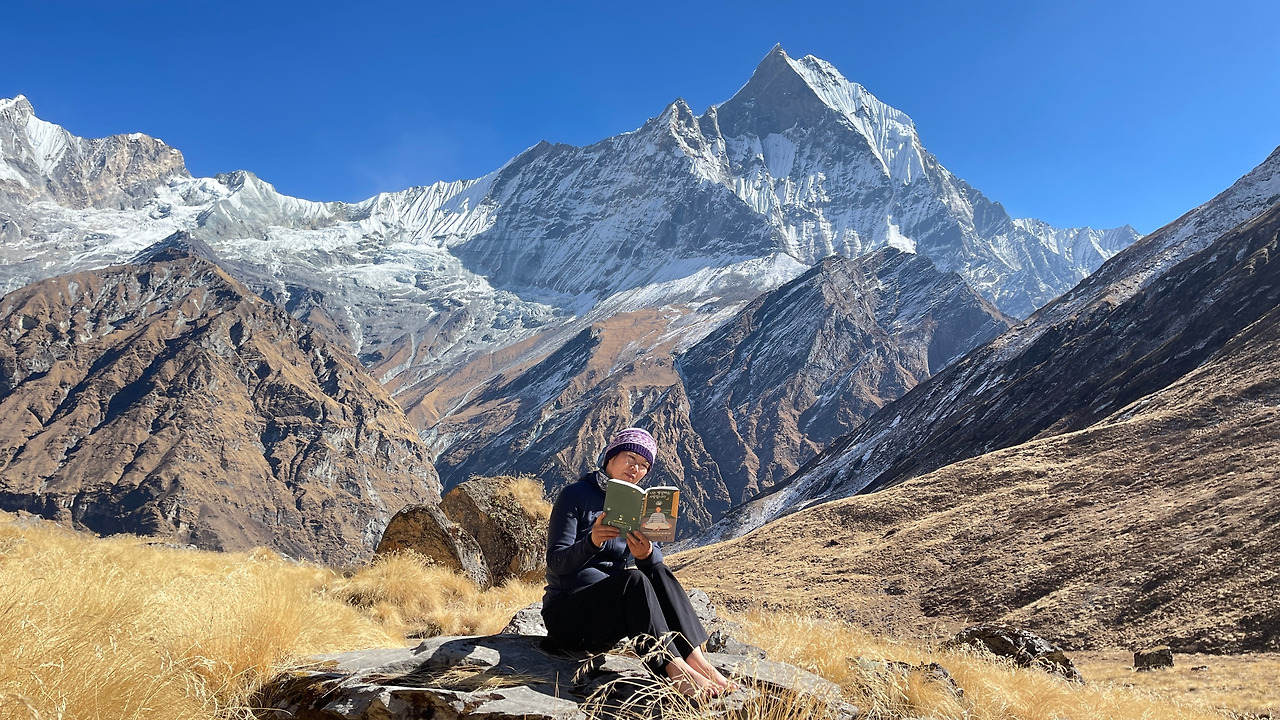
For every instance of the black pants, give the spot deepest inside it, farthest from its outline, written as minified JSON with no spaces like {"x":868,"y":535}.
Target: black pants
{"x":649,"y":605}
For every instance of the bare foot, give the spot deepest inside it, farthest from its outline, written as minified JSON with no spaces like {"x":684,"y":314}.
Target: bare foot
{"x":704,"y":667}
{"x":690,"y":682}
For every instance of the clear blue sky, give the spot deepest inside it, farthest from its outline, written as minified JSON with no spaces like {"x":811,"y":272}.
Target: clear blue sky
{"x":1079,"y":113}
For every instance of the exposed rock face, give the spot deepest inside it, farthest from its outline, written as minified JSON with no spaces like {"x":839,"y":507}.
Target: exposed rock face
{"x":427,"y":531}
{"x":1024,"y":648}
{"x":42,"y":161}
{"x":810,"y":361}
{"x":741,"y":408}
{"x":1142,"y":323}
{"x":165,"y":399}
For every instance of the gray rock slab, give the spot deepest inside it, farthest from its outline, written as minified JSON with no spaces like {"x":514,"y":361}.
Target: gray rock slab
{"x":503,"y":676}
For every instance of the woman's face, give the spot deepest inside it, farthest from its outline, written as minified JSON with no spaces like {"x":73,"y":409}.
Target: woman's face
{"x":627,"y":466}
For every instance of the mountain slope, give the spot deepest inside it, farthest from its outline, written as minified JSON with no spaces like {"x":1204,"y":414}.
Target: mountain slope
{"x":1154,"y":526}
{"x":1152,"y":314}
{"x":734,"y":410}
{"x":165,"y":399}
{"x":810,"y":361}
{"x":800,"y":161}
{"x":40,"y":161}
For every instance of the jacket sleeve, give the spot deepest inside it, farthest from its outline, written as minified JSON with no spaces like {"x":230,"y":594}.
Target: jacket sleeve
{"x":654,"y":558}
{"x":566,"y":554}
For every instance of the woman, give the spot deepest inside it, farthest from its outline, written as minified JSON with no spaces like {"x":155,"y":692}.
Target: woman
{"x":595,"y":597}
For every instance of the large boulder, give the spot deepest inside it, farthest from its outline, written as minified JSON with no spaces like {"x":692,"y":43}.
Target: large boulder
{"x":1154,"y":658}
{"x":427,"y":531}
{"x":1024,"y":648}
{"x":510,"y":530}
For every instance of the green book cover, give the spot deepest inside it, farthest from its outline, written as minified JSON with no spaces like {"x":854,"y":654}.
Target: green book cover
{"x":652,"y":512}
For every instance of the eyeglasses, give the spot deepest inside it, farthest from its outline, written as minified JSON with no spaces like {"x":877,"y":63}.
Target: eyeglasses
{"x":633,"y":460}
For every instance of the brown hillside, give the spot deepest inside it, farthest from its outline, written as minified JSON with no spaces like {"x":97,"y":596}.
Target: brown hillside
{"x":165,"y":399}
{"x":1156,"y":526}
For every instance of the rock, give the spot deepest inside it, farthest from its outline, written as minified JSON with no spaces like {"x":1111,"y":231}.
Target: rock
{"x":512,"y":538}
{"x":932,"y":672}
{"x":424,"y":529}
{"x":429,"y":630}
{"x":1154,"y":658}
{"x":702,"y":605}
{"x":501,"y":677}
{"x":721,"y":641}
{"x":527,"y":621}
{"x":772,"y":676}
{"x":1024,"y":648}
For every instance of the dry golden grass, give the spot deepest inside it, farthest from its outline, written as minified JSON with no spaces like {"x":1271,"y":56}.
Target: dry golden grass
{"x":1245,"y":684}
{"x":406,"y":593}
{"x":530,"y":493}
{"x":992,"y":690}
{"x":117,"y":628}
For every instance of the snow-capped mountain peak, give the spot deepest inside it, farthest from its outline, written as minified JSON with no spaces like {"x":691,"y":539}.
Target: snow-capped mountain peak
{"x":784,"y":92}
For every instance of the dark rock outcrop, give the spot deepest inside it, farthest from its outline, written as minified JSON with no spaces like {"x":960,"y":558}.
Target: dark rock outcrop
{"x":1153,"y":658}
{"x":1023,"y":648}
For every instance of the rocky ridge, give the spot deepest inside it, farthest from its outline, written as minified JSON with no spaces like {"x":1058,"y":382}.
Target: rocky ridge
{"x":807,"y":363}
{"x":164,"y":398}
{"x":732,"y":202}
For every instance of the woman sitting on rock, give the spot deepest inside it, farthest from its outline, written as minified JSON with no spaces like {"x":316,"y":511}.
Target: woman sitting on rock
{"x":596,"y":596}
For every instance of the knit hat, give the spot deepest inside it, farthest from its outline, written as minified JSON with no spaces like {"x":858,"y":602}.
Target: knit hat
{"x":636,"y":440}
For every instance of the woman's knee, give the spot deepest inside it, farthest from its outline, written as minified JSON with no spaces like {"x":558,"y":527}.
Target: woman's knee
{"x":636,"y":581}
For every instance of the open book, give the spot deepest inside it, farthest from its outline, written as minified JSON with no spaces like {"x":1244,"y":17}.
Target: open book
{"x":652,"y":512}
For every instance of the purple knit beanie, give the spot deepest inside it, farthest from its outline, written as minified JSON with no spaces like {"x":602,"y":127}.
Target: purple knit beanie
{"x":636,"y":440}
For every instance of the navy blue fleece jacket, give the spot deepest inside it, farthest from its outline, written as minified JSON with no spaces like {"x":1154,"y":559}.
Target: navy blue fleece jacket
{"x":573,"y":561}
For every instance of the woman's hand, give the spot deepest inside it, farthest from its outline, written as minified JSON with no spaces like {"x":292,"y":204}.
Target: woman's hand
{"x":601,"y":533}
{"x":639,"y":545}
